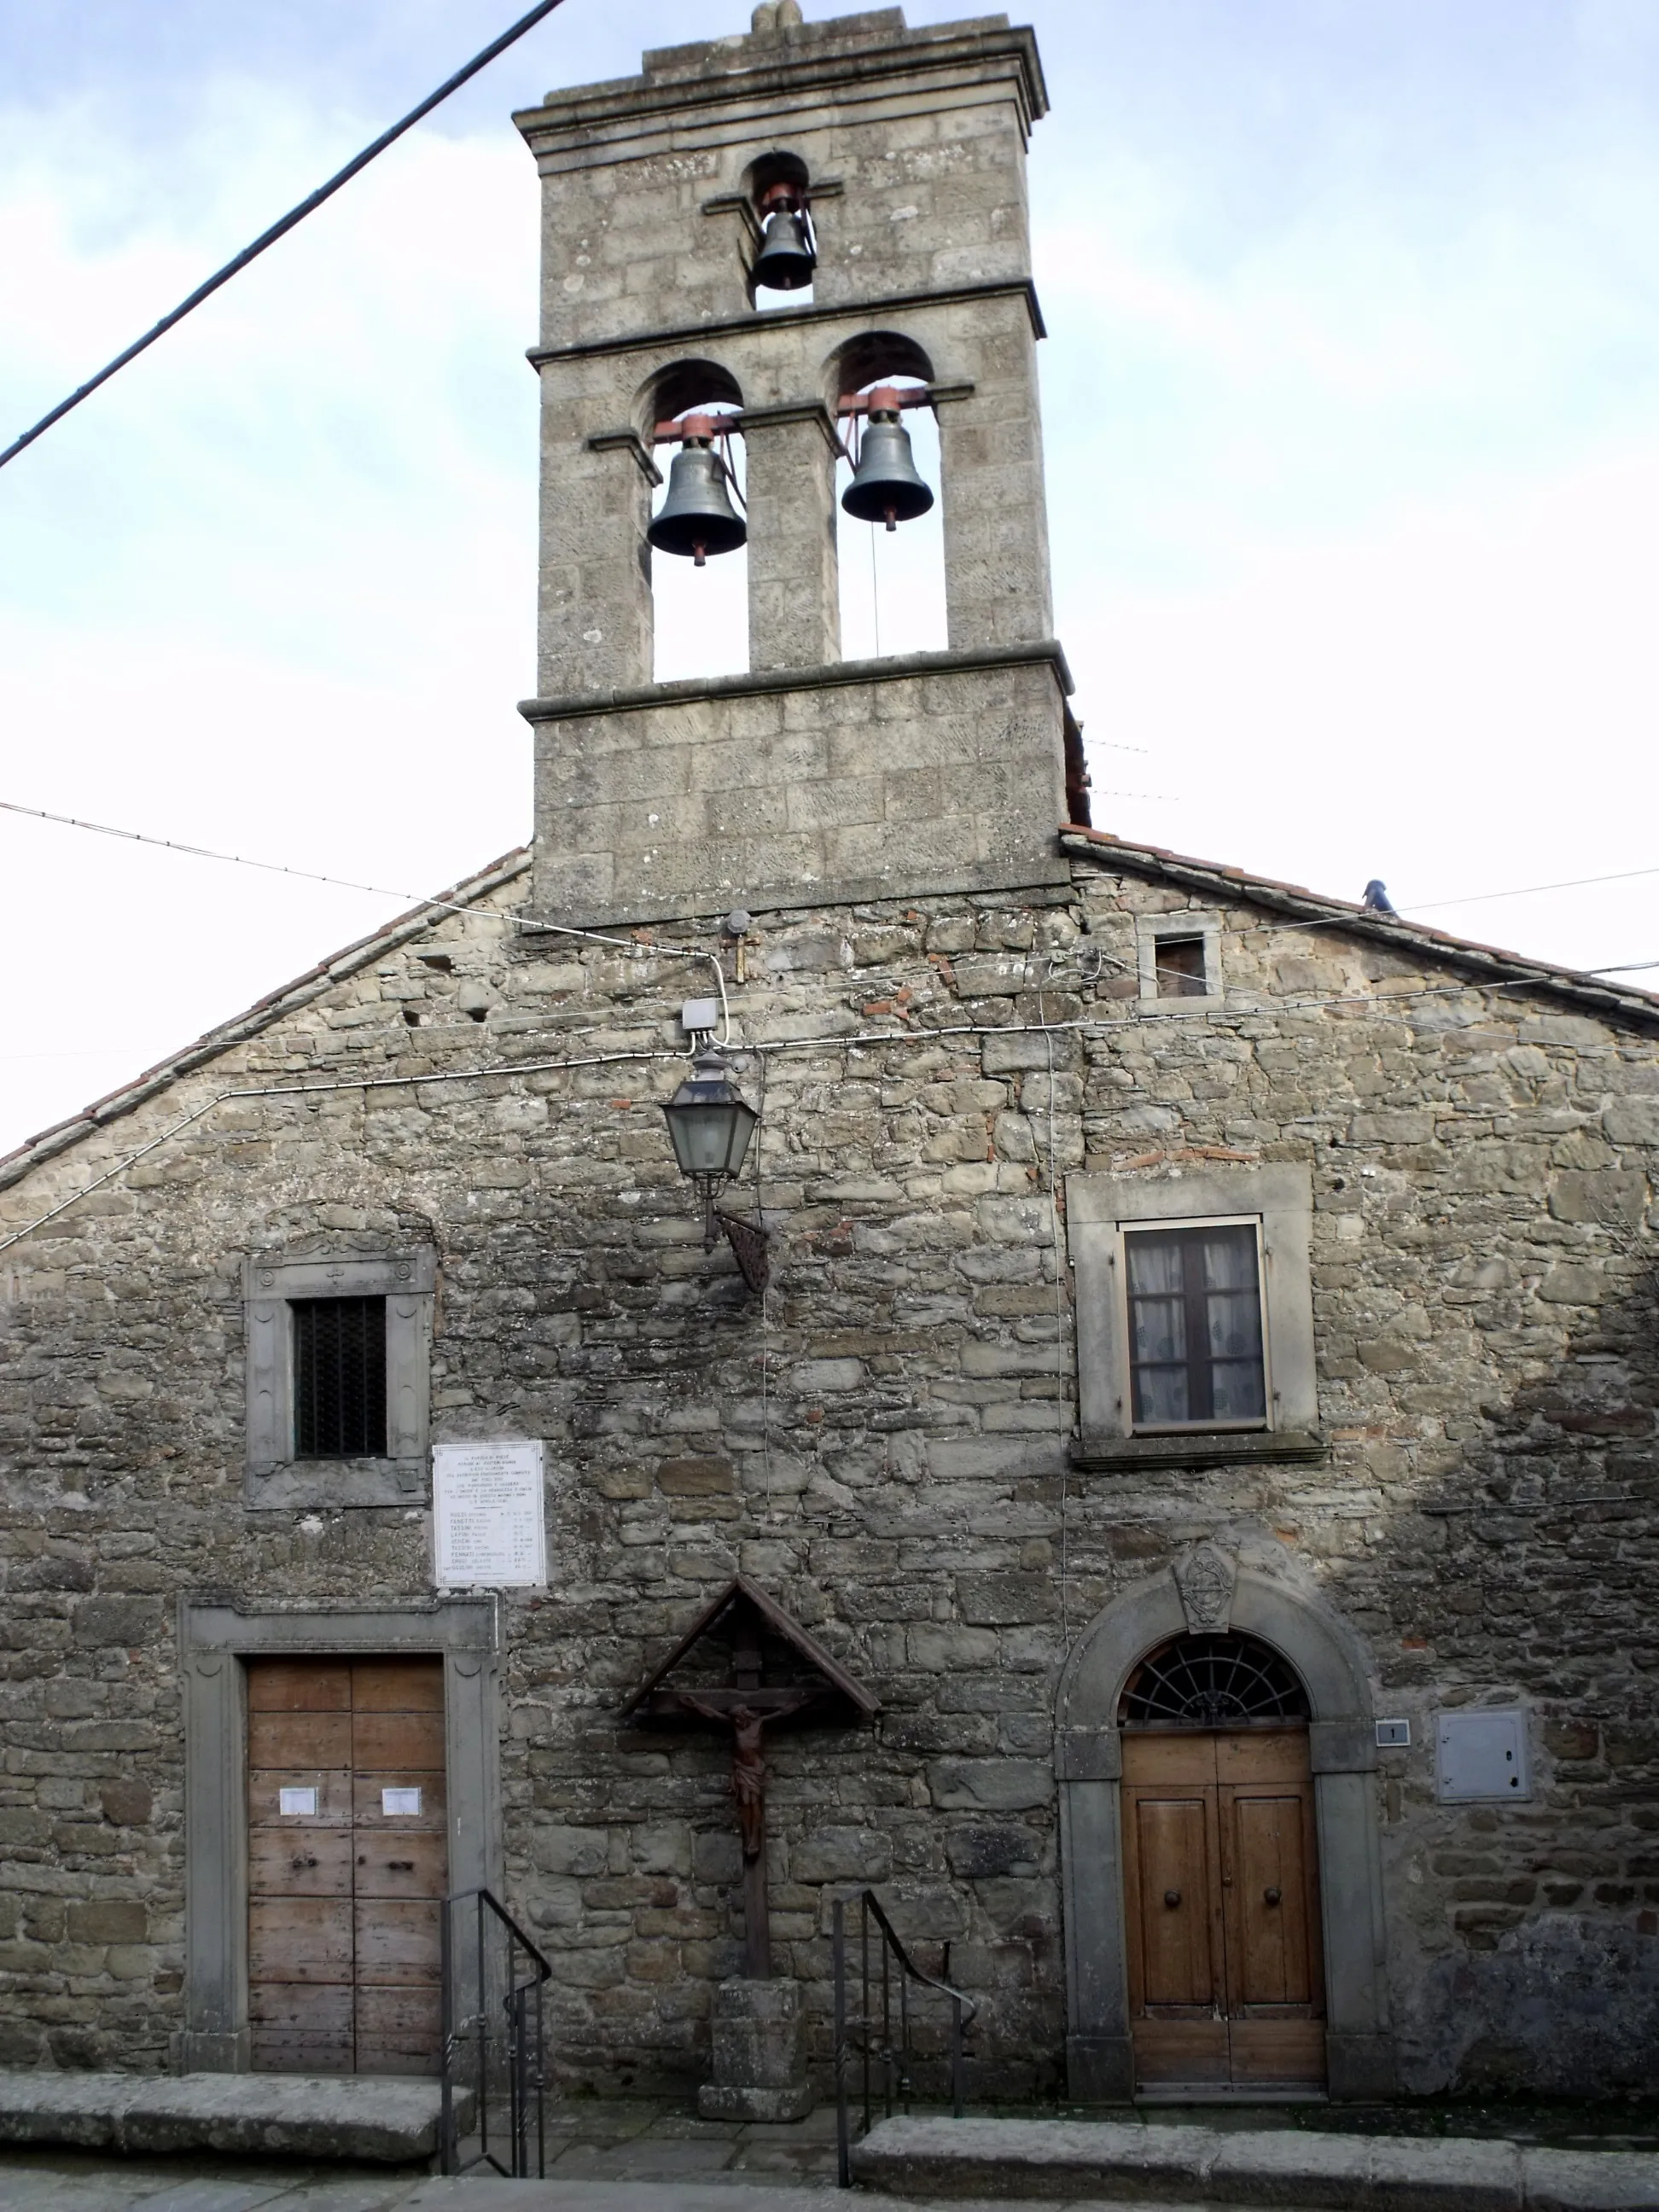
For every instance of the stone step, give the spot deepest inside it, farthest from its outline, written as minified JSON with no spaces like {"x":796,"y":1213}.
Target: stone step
{"x":1070,"y":2160}
{"x":332,"y":2116}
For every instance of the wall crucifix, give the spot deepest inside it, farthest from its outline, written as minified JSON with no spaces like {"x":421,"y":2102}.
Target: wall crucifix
{"x":740,"y":1625}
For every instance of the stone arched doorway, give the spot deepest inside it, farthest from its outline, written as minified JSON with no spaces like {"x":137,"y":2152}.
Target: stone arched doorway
{"x":1221,"y":1924}
{"x":1326,"y":1662}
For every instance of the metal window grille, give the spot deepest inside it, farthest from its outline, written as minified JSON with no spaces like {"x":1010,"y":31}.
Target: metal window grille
{"x":339,"y":1378}
{"x":1211,"y":1681}
{"x":1195,"y":1338}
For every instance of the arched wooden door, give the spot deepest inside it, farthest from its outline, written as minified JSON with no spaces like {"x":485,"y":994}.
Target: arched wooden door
{"x":1221,"y":1878}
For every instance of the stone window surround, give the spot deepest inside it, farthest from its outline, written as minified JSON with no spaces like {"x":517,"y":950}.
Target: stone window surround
{"x":215,"y":1636}
{"x":1088,"y":1768}
{"x":275,"y":1478}
{"x":1099,"y":1208}
{"x":1184,"y":922}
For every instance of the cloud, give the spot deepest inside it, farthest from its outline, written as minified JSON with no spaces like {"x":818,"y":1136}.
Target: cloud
{"x":1352,"y":426}
{"x":273,"y":589}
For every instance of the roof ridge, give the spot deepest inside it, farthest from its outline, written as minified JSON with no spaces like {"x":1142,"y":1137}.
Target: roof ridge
{"x":48,"y":1143}
{"x":1381,"y":928}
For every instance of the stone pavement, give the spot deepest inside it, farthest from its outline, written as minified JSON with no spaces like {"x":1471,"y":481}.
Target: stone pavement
{"x":633,"y":2156}
{"x":952,"y":2161}
{"x":611,"y":2156}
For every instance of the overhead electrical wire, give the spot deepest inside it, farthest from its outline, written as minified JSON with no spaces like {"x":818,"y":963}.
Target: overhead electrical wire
{"x":1572,"y":884}
{"x":659,"y":951}
{"x":624,"y":944}
{"x":283,"y":225}
{"x":505,"y":1070}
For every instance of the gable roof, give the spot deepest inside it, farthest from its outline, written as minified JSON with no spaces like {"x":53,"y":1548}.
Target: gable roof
{"x":782,"y":1625}
{"x":261,"y":1015}
{"x":1593,"y":994}
{"x":1485,"y":962}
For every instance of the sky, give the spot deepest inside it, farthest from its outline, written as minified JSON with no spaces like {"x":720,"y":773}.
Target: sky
{"x":1352,"y":406}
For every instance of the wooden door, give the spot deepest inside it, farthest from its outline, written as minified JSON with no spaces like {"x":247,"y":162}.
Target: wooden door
{"x":348,"y":1859}
{"x":1172,"y":1902}
{"x":1270,"y":1889}
{"x":1221,"y":1901}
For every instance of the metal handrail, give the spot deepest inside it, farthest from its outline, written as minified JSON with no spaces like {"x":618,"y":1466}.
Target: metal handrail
{"x":521,"y":2029}
{"x":894,"y":2059}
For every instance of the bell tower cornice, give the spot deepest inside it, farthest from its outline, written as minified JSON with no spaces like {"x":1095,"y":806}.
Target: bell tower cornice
{"x":776,"y":68}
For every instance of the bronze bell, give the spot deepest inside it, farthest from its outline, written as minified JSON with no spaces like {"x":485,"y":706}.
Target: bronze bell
{"x":697,"y":518}
{"x":786,"y":260}
{"x":885,"y":487}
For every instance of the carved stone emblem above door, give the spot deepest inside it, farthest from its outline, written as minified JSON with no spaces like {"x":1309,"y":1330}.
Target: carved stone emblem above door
{"x":1204,"y":1578}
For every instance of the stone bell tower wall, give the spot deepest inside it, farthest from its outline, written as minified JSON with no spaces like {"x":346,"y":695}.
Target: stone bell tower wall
{"x":913,"y":143}
{"x":934,"y":773}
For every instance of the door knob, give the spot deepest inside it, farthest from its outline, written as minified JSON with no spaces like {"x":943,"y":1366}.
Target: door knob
{"x":1272,"y":1896}
{"x":1172,"y":1897}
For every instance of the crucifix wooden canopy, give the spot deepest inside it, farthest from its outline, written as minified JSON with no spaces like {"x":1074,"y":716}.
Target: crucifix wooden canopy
{"x":748,"y":1705}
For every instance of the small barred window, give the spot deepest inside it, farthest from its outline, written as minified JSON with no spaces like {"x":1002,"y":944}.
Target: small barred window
{"x":339,"y":1378}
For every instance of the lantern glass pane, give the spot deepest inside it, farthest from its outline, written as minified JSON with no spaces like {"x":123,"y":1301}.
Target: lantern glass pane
{"x":703,"y":1138}
{"x":743,"y":1119}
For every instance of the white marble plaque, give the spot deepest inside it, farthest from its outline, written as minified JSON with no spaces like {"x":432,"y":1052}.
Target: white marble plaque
{"x":399,"y":1803}
{"x":303,"y":1801}
{"x":489,"y":1523}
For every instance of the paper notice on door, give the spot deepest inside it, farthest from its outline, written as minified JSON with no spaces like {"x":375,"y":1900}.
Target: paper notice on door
{"x":488,"y":1522}
{"x":399,"y":1803}
{"x":302,"y":1801}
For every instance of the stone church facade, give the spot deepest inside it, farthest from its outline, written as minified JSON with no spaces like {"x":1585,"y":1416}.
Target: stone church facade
{"x":1204,"y":1390}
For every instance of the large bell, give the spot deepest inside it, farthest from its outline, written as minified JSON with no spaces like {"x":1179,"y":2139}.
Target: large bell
{"x":786,"y":260}
{"x":697,"y":518}
{"x":885,"y":487}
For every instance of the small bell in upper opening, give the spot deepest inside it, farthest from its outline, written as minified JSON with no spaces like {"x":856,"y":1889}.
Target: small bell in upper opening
{"x":697,"y":518}
{"x":885,"y":487}
{"x":786,"y":260}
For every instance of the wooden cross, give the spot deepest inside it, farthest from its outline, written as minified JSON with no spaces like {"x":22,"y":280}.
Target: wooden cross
{"x":748,"y":1707}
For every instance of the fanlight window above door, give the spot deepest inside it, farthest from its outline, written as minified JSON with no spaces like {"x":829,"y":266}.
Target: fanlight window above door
{"x":1211,"y":1681}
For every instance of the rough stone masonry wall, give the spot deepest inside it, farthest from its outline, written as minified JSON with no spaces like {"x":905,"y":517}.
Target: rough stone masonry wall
{"x":884,"y":1448}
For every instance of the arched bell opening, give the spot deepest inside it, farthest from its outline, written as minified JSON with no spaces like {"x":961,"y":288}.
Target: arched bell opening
{"x":697,"y":536}
{"x":785,"y":250}
{"x":889,"y":516}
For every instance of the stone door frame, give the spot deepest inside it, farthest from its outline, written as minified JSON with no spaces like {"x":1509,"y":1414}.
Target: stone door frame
{"x":1088,"y":1768}
{"x":215,"y":1634}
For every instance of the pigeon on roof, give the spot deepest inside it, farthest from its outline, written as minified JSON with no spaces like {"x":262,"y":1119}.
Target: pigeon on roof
{"x":1377,"y":898}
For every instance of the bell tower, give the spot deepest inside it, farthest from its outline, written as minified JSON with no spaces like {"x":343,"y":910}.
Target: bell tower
{"x":877,"y":174}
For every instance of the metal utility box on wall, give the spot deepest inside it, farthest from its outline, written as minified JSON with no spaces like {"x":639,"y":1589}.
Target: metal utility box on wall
{"x":1482,"y":1755}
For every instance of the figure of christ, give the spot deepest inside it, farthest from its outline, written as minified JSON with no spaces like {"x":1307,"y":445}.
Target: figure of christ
{"x":748,"y":1757}
{"x":748,"y":1788}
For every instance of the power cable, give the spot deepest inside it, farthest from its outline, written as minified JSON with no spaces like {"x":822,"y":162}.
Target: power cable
{"x":656,"y":951}
{"x":507,"y":1069}
{"x":280,"y":229}
{"x":1572,"y":884}
{"x":1347,"y":913}
{"x":635,"y":952}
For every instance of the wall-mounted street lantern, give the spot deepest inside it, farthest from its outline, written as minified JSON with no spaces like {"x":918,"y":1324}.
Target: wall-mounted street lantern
{"x":710,"y":1126}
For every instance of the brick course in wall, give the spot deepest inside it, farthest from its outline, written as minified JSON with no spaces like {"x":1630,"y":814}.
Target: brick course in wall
{"x":885,"y":1444}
